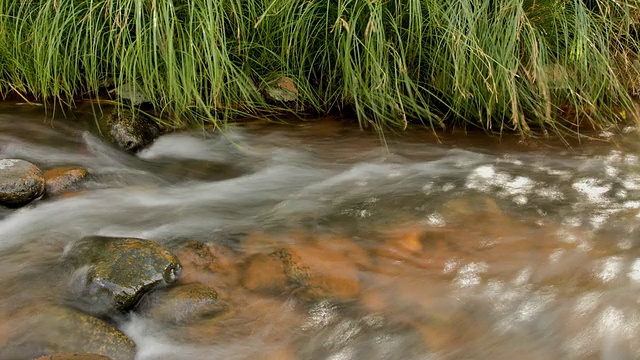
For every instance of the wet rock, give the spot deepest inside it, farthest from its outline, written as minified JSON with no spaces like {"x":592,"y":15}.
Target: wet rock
{"x":183,"y":304}
{"x":74,"y":356}
{"x":114,"y":273}
{"x":266,"y":272}
{"x":313,"y":270}
{"x":401,"y":245}
{"x":59,"y":180}
{"x":129,"y":129}
{"x":20,"y":182}
{"x":282,"y":89}
{"x":49,"y":330}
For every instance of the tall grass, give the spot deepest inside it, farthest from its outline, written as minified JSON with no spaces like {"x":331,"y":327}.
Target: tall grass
{"x":520,"y":65}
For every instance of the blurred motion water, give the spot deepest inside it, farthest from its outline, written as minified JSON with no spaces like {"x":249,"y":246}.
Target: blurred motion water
{"x":456,"y":247}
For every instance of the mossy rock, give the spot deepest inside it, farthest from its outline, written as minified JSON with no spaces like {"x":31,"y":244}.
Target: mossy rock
{"x":114,"y":273}
{"x":282,"y":90}
{"x":50,"y":330}
{"x":183,"y":304}
{"x":129,"y":129}
{"x":20,"y":182}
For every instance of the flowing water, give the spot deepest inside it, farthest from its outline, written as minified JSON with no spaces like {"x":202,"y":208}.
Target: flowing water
{"x":461,"y":247}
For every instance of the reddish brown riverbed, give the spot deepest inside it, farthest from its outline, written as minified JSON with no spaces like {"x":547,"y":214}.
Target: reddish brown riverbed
{"x":463,"y":246}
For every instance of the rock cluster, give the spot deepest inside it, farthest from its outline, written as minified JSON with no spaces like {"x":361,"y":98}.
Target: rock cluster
{"x":108,"y":276}
{"x":21,"y":182}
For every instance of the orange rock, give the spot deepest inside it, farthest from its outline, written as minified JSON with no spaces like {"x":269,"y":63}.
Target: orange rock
{"x":266,"y":320}
{"x":325,"y":272}
{"x":72,"y":194}
{"x":59,"y":179}
{"x":265,"y":272}
{"x":211,"y":264}
{"x":315,"y":270}
{"x":346,"y":246}
{"x":401,"y":245}
{"x":279,"y":353}
{"x":261,"y":243}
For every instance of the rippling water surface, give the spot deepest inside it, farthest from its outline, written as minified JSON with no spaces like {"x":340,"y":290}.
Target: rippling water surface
{"x":469,"y":247}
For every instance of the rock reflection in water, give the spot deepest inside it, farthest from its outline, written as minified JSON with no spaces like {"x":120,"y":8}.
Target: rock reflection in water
{"x":319,"y":242}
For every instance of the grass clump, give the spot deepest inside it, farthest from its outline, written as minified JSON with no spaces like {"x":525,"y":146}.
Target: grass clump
{"x":517,"y":65}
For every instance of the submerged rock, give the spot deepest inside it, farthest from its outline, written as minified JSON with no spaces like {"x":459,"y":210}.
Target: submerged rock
{"x":183,"y":304}
{"x":313,"y":271}
{"x":214,"y":265}
{"x":49,"y":330}
{"x":20,"y":182}
{"x":74,"y":356}
{"x":61,"y":179}
{"x":114,"y":273}
{"x":130,"y":130}
{"x":266,"y":272}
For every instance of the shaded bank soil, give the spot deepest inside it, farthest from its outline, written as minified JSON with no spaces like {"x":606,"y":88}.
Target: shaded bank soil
{"x":500,"y":65}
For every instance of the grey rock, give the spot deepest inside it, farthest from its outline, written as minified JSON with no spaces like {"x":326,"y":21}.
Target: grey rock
{"x":20,"y":182}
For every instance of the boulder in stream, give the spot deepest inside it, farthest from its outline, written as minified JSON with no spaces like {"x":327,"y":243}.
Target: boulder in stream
{"x":50,"y":330}
{"x":129,"y":129}
{"x":20,"y":182}
{"x":112,"y":274}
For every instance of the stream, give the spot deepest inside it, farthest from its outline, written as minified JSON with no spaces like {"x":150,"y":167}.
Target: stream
{"x":456,"y":246}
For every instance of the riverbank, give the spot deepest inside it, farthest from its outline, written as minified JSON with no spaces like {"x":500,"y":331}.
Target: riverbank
{"x":500,"y":65}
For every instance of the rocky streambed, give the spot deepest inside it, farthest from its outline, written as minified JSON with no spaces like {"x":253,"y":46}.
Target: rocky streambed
{"x":314,"y":242}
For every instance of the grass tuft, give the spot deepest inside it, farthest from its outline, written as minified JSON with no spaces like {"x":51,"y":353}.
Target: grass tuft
{"x":528,"y":66}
